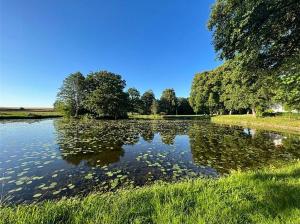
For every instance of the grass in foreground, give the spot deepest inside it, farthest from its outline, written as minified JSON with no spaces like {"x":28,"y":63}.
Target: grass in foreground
{"x":268,"y":196}
{"x":27,"y":114}
{"x":278,"y":123}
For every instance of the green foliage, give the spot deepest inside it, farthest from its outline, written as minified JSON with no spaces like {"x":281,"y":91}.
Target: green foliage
{"x":206,"y":92}
{"x":263,"y":32}
{"x":135,"y":102}
{"x":289,"y":84}
{"x":105,"y":95}
{"x":62,"y":107}
{"x":247,"y":90}
{"x":270,"y":195}
{"x":154,"y":107}
{"x":198,"y":95}
{"x":147,"y":99}
{"x":260,"y":41}
{"x":168,"y":102}
{"x":229,"y":88}
{"x":72,"y":94}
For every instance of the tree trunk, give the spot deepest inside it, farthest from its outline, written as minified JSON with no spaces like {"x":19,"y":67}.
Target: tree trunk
{"x":76,"y":111}
{"x":253,"y":111}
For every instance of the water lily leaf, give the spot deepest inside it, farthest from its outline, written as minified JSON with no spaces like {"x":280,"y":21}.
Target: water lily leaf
{"x":37,"y":195}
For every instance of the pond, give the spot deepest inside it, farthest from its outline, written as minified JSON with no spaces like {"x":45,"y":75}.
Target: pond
{"x":53,"y":158}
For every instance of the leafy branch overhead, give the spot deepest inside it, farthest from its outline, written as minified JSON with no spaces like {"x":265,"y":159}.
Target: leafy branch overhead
{"x":262,"y":32}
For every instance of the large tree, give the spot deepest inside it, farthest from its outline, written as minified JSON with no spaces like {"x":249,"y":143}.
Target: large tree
{"x":135,"y":102}
{"x":199,"y":93}
{"x":72,"y":94}
{"x":262,"y":32}
{"x":289,"y":84}
{"x":155,"y":107}
{"x":206,"y":91}
{"x":244,"y":90}
{"x":168,"y":101}
{"x":147,"y":100}
{"x":106,"y":96}
{"x":231,"y":88}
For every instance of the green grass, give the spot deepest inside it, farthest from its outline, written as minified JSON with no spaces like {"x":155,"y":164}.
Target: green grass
{"x":148,"y":117}
{"x":271,"y":195}
{"x":160,"y":117}
{"x":27,"y":114}
{"x":279,"y":123}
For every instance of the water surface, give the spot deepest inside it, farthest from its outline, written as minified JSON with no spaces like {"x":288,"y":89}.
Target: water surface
{"x":52,"y":158}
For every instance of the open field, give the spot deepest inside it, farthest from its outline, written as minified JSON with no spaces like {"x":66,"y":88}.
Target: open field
{"x":25,"y":113}
{"x":271,"y":195}
{"x":279,"y":123}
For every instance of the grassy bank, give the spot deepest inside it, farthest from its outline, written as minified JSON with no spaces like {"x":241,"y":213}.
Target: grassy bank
{"x":27,"y":113}
{"x":160,"y":117}
{"x":271,"y":195}
{"x":278,"y":123}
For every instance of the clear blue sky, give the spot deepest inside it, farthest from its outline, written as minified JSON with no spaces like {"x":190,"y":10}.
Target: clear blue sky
{"x":153,"y":44}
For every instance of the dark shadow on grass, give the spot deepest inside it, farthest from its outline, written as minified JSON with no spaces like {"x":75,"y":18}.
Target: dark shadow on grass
{"x":279,"y":176}
{"x":278,"y":197}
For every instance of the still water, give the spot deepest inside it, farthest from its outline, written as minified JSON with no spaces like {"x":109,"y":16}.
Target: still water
{"x":52,"y":158}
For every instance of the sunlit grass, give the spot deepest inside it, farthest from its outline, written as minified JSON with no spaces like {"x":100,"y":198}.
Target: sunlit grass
{"x":278,"y":123}
{"x":159,"y":117}
{"x":28,"y":114}
{"x":271,"y":195}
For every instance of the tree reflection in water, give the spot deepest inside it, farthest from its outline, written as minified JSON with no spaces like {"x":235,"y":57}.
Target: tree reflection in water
{"x":219,"y":147}
{"x":228,"y":149}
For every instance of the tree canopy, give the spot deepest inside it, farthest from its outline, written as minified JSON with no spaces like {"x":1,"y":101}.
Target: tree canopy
{"x":135,"y":102}
{"x":168,"y":101}
{"x":289,"y":84}
{"x":105,"y":94}
{"x":71,"y":95}
{"x":229,"y":88}
{"x":101,"y":94}
{"x":262,"y":32}
{"x":259,"y":42}
{"x":147,"y":99}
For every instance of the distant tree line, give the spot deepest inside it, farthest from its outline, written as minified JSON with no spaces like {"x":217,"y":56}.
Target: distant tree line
{"x":102,"y":94}
{"x":168,"y":103}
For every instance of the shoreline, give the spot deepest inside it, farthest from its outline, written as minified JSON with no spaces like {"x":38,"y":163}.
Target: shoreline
{"x":279,"y":123}
{"x":28,"y":114}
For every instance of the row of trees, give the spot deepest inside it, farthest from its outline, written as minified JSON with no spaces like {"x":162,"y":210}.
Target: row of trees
{"x":259,"y":42}
{"x":167,"y":104}
{"x":101,"y":94}
{"x":231,"y":89}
